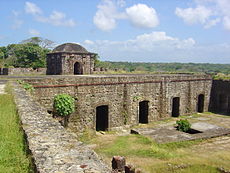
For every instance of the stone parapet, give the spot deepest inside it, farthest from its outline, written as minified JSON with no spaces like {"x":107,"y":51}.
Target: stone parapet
{"x":22,"y":71}
{"x":53,"y":148}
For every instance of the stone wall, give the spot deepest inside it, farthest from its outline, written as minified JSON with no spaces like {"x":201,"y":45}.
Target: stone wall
{"x":122,"y":94}
{"x":220,"y":97}
{"x":63,"y":63}
{"x":53,"y":148}
{"x":22,"y":71}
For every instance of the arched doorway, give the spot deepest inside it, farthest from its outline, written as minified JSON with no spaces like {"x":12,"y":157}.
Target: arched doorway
{"x":77,"y":68}
{"x":176,"y":107}
{"x":102,"y":118}
{"x":200,"y":103}
{"x":143,"y":112}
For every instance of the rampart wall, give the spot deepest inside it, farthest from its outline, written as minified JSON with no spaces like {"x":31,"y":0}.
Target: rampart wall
{"x":122,"y":95}
{"x":22,"y":71}
{"x":53,"y":148}
{"x":220,"y":97}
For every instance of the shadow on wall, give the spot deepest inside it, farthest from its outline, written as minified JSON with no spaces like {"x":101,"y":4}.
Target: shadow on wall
{"x":220,"y":97}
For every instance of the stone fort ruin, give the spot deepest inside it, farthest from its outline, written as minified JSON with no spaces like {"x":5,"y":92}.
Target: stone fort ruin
{"x":105,"y":102}
{"x":70,"y":58}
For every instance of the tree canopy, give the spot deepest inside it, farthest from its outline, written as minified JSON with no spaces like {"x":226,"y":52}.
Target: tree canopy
{"x":27,"y":54}
{"x":42,"y":42}
{"x":166,"y":67}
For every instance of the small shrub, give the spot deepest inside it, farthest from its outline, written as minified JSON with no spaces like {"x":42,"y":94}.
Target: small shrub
{"x":64,"y":104}
{"x":183,"y":125}
{"x":26,"y":86}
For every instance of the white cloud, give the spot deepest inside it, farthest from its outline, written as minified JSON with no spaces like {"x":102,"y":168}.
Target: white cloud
{"x":106,"y":15}
{"x":32,"y":8}
{"x":17,"y":22}
{"x":89,"y":42}
{"x":196,"y":15}
{"x":144,"y":47}
{"x":141,"y":15}
{"x":121,"y":3}
{"x":56,"y":18}
{"x":34,"y":32}
{"x":226,"y":22}
{"x":211,"y":23}
{"x":207,"y":12}
{"x":159,"y":47}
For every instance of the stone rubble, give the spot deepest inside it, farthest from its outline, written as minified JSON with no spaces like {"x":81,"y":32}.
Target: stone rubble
{"x":54,"y":149}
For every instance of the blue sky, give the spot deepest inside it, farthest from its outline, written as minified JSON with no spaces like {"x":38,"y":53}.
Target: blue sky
{"x":125,"y":30}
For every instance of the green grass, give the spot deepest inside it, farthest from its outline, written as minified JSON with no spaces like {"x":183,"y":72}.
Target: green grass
{"x":140,"y":146}
{"x":12,"y":149}
{"x":144,"y":153}
{"x":186,"y":168}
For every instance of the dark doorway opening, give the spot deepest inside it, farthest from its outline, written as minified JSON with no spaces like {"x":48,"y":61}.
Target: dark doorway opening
{"x":143,"y":112}
{"x":102,"y":114}
{"x":77,"y":68}
{"x":228,"y":111}
{"x":176,"y":107}
{"x":200,"y":103}
{"x":223,"y":103}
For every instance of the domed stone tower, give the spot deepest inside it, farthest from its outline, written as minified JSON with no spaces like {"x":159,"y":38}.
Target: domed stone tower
{"x":70,"y":59}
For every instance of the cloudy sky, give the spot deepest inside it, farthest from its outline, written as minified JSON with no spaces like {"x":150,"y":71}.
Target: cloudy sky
{"x":125,"y":30}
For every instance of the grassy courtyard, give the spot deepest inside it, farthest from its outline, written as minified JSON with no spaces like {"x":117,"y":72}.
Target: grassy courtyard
{"x":13,"y":157}
{"x":200,"y":156}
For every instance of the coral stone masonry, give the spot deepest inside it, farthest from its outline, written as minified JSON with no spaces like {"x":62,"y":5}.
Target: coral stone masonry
{"x":53,"y":148}
{"x":70,"y":58}
{"x":104,"y":102}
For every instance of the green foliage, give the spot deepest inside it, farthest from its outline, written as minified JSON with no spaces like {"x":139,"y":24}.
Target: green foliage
{"x":42,"y":42}
{"x":136,"y":98}
{"x":27,"y":54}
{"x":183,"y":125}
{"x":221,"y":76}
{"x":26,"y":86}
{"x":64,"y":104}
{"x":135,"y":67}
{"x":13,"y":157}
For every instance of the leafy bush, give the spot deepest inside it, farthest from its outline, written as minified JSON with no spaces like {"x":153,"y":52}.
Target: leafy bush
{"x":64,"y":104}
{"x":183,"y":125}
{"x":26,"y":86}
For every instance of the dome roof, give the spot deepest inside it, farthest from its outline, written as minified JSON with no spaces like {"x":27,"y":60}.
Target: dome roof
{"x":70,"y":48}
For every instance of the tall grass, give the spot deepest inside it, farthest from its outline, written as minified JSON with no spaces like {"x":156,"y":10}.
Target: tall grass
{"x":12,"y":148}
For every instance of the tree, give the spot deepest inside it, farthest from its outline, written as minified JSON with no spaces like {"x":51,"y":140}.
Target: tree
{"x":26,"y":55}
{"x":3,"y":52}
{"x":44,"y":43}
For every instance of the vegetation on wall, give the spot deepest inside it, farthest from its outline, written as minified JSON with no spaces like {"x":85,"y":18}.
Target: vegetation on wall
{"x":64,"y":104}
{"x":26,"y":86}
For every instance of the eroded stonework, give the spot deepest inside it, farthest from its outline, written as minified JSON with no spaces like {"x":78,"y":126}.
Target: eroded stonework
{"x":122,"y":94}
{"x":70,"y":58}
